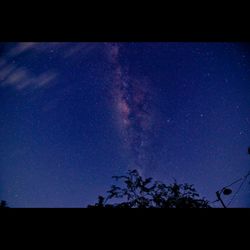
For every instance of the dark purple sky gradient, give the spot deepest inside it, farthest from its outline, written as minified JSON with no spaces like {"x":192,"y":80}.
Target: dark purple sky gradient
{"x":74,"y":114}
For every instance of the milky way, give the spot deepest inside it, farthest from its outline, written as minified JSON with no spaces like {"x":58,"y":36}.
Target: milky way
{"x":133,"y":109}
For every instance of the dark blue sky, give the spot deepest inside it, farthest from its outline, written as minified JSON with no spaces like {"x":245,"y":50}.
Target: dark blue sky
{"x":74,"y":114}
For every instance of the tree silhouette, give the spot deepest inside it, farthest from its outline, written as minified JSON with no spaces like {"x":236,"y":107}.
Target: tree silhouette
{"x":137,"y":192}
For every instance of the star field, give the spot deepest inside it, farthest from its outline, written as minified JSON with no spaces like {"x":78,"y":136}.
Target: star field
{"x":74,"y":114}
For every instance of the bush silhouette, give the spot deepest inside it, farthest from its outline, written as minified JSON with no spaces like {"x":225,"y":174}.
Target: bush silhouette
{"x":3,"y":204}
{"x":137,"y":192}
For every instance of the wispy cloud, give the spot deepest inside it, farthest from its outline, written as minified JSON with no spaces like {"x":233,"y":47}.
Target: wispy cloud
{"x":5,"y":72}
{"x":41,"y":47}
{"x":45,"y":79}
{"x":19,"y":48}
{"x":78,"y":48}
{"x":20,"y":76}
{"x":15,"y":76}
{"x":68,"y":49}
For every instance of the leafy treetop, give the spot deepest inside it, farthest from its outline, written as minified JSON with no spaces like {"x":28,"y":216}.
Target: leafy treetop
{"x":146,"y":193}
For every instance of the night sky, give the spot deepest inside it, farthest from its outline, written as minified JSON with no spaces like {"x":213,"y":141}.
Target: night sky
{"x":75,"y":114}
